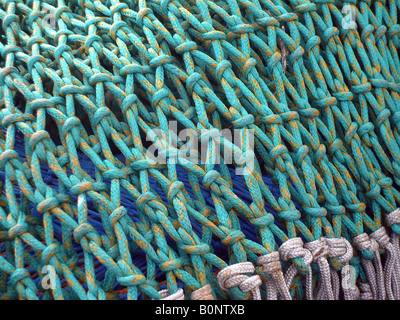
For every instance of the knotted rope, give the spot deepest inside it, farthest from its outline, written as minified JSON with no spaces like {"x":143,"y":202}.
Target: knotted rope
{"x":162,"y":149}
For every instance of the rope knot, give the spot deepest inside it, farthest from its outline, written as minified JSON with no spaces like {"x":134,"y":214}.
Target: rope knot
{"x":264,"y":221}
{"x":214,"y":35}
{"x":174,"y":189}
{"x":233,"y":237}
{"x":132,"y":280}
{"x":251,"y":284}
{"x":71,"y":123}
{"x":223,"y":67}
{"x":146,"y":201}
{"x":393,"y":218}
{"x":18,"y":275}
{"x":81,"y":188}
{"x":278,"y":151}
{"x":87,"y":232}
{"x":211,"y":177}
{"x":305,"y":8}
{"x":381,"y":237}
{"x":15,"y":118}
{"x":243,"y":122}
{"x":174,"y":264}
{"x":363,"y":242}
{"x":159,"y":61}
{"x":270,"y":263}
{"x":242,"y":28}
{"x":143,"y":13}
{"x":7,"y":157}
{"x":17,"y":230}
{"x":318,"y":248}
{"x":192,"y":80}
{"x":237,"y":276}
{"x":52,"y":250}
{"x":117,"y":215}
{"x":340,"y":248}
{"x":204,"y":293}
{"x":249,"y":66}
{"x":312,"y":42}
{"x":293,"y":248}
{"x":7,"y":71}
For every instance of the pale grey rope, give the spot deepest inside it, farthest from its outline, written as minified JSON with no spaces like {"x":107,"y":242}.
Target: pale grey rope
{"x":179,"y":295}
{"x":380,"y":275}
{"x":236,"y":275}
{"x":342,"y":249}
{"x":396,"y":273}
{"x":272,"y":266}
{"x":373,"y":270}
{"x":335,"y":284}
{"x":319,"y":291}
{"x":365,"y":291}
{"x":204,"y":293}
{"x":272,"y":291}
{"x":392,"y":287}
{"x":350,"y":289}
{"x":391,"y":219}
{"x":293,"y":248}
{"x":319,"y":250}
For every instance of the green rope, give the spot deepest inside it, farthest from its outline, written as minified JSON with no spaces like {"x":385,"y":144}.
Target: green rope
{"x":88,"y":88}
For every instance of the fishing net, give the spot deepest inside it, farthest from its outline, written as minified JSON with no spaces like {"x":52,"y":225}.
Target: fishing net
{"x":192,"y":149}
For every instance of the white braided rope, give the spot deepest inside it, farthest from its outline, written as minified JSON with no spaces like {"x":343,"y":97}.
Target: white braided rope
{"x":319,"y":250}
{"x":272,"y":266}
{"x":365,"y":291}
{"x":342,"y":249}
{"x":204,"y":293}
{"x":291,"y":249}
{"x":179,"y":295}
{"x":236,"y":276}
{"x":373,"y":271}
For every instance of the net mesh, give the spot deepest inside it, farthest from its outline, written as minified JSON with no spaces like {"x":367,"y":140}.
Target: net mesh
{"x":155,"y":149}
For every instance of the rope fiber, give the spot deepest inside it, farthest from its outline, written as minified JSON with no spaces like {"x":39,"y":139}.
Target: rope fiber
{"x":116,"y":181}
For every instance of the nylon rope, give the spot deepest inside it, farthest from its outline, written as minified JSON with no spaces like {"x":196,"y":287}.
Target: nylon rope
{"x":307,"y":208}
